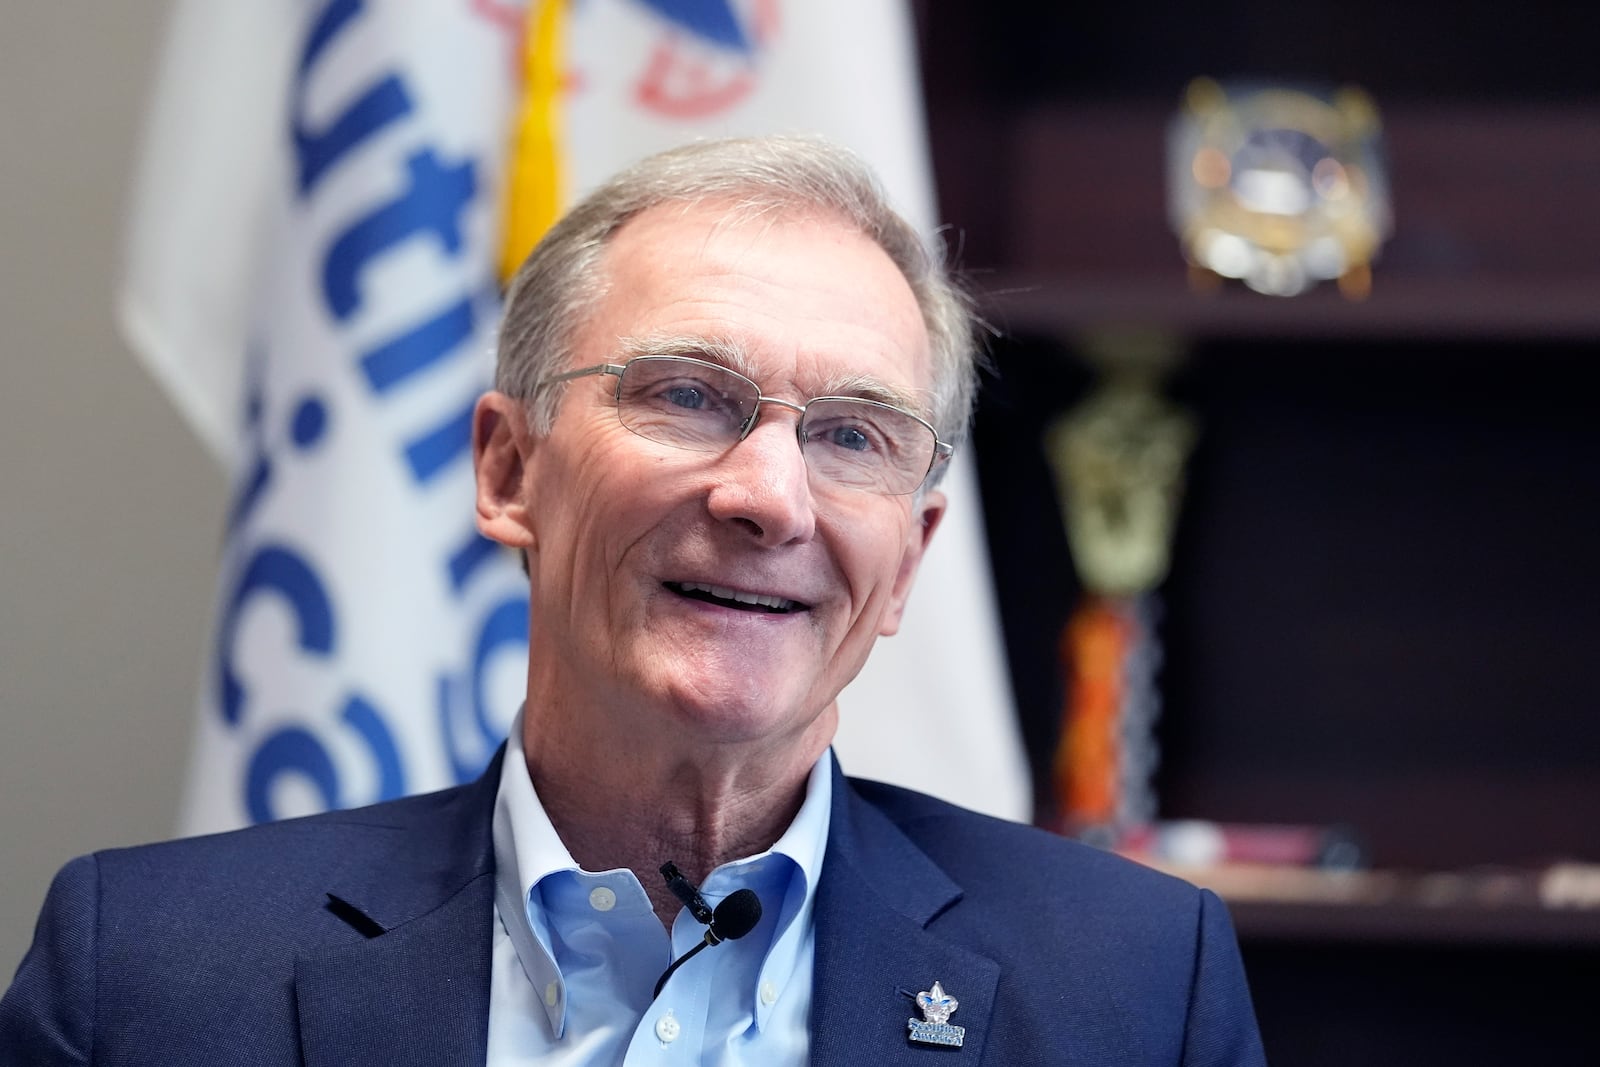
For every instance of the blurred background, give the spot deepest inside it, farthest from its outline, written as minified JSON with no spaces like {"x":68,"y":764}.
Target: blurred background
{"x":1384,"y":596}
{"x":1383,"y":592}
{"x":110,"y":529}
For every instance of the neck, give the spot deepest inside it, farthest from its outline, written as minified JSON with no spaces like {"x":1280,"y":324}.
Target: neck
{"x":646,"y":803}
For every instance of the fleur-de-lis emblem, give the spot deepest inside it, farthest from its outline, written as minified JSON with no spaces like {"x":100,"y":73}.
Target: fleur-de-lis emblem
{"x":934,"y":1028}
{"x":936,"y":1004}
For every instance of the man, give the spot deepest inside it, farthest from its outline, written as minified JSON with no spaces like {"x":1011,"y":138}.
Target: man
{"x":728,"y":383}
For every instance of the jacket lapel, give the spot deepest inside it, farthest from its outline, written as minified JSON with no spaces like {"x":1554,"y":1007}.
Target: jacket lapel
{"x":874,"y":953}
{"x":416,"y":989}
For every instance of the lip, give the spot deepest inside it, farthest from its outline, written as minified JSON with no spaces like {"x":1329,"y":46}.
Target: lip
{"x":755,"y":601}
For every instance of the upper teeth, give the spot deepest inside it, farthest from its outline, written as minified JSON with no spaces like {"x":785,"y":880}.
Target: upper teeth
{"x":724,"y":593}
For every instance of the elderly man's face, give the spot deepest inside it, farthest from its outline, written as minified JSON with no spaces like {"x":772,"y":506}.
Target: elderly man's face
{"x":626,"y":536}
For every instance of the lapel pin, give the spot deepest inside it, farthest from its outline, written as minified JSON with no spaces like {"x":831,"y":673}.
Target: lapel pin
{"x":935,"y":1028}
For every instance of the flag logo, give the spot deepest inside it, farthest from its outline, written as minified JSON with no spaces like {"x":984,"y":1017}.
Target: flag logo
{"x":707,"y":58}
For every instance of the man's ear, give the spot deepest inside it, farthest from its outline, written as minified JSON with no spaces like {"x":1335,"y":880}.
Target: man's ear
{"x":927,"y":510}
{"x":501,"y":447}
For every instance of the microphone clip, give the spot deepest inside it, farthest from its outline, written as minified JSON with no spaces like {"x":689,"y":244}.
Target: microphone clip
{"x":738,"y":914}
{"x":687,"y":894}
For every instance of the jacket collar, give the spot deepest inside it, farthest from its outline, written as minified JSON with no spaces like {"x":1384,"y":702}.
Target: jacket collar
{"x":416,"y":989}
{"x":878,"y":895}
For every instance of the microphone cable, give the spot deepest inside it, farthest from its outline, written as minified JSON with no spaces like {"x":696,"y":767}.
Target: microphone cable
{"x":736,"y":916}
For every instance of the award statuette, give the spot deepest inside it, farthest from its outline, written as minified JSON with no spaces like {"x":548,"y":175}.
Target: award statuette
{"x":1279,"y":187}
{"x":1119,"y":460}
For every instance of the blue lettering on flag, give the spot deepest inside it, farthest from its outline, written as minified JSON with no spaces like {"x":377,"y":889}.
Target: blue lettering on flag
{"x":253,"y":484}
{"x":378,"y":106}
{"x":431,"y":452}
{"x":368,"y":724}
{"x":273,"y":569}
{"x":393,"y":362}
{"x":474,"y":552}
{"x":291,"y":750}
{"x":504,"y":628}
{"x":296,"y":751}
{"x":433,"y":202}
{"x":309,"y":422}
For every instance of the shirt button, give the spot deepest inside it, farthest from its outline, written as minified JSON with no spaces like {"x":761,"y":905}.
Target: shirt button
{"x":552,"y":993}
{"x":602,"y":899}
{"x":667,"y":1028}
{"x":769,"y":993}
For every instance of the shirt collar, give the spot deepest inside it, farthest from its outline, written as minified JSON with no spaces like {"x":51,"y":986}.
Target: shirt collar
{"x":527,"y":849}
{"x":801,"y":848}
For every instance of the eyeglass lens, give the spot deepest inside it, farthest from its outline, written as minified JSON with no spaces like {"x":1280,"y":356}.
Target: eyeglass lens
{"x":704,"y":407}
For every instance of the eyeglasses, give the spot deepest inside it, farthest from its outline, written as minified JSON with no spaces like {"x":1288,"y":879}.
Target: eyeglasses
{"x":705,"y":407}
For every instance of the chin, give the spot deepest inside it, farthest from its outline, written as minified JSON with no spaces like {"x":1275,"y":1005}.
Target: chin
{"x":739,"y":714}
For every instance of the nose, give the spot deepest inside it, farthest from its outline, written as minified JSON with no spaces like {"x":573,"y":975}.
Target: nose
{"x":762,"y":484}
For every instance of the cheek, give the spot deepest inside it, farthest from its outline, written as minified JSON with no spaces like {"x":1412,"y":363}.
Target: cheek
{"x":870,"y":553}
{"x":601,"y":504}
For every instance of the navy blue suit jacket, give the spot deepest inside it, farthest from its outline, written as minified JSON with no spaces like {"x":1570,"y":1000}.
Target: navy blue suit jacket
{"x":363,"y":937}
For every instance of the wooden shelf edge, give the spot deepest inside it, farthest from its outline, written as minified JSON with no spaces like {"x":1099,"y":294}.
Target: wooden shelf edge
{"x":1562,"y":309}
{"x":1264,"y":922}
{"x":1556,"y":907}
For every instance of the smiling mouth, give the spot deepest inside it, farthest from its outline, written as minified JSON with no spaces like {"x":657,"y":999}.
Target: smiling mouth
{"x":734,"y":598}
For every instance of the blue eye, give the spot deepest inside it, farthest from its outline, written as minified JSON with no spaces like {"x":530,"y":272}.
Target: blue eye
{"x":686,"y":396}
{"x":849,"y":438}
{"x":851,"y":432}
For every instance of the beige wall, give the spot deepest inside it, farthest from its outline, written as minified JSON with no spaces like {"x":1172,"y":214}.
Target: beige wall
{"x":109,"y":511}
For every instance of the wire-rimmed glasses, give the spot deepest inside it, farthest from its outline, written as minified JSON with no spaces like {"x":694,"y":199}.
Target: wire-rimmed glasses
{"x":705,"y":407}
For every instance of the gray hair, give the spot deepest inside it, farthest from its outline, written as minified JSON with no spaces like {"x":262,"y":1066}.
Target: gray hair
{"x":561,"y":281}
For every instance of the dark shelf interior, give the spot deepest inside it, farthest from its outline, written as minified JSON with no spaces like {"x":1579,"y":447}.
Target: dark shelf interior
{"x":1333,"y":1006}
{"x":1385,"y":591}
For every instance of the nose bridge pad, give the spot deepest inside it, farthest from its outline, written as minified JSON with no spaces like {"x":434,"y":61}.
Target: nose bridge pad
{"x":749,"y":424}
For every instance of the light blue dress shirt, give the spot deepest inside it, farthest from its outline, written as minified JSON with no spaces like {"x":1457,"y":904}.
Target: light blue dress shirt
{"x":577,"y":953}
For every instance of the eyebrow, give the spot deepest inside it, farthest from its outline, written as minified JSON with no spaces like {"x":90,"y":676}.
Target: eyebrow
{"x":729,"y":353}
{"x":722,"y":351}
{"x":864,"y":387}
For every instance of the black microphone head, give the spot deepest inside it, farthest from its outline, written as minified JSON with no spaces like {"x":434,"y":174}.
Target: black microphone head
{"x":737,"y":915}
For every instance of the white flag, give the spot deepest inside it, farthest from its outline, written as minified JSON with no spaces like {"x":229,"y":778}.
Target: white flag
{"x":311,"y":273}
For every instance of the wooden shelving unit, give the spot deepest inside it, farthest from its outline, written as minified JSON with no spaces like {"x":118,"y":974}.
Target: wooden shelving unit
{"x":1385,"y":592}
{"x":1492,"y":238}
